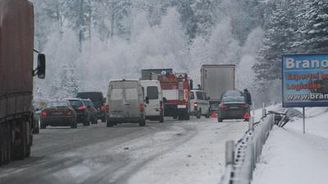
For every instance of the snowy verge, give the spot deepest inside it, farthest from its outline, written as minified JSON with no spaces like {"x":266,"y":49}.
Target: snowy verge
{"x":294,"y":158}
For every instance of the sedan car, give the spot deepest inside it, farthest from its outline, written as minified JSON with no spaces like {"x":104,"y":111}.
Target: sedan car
{"x":233,"y":106}
{"x":92,"y":110}
{"x":58,"y":114}
{"x":83,"y":114}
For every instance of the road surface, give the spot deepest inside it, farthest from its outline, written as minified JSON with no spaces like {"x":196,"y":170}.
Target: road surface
{"x":170,"y":152}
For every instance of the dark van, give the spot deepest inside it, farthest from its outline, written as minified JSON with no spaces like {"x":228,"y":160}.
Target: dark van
{"x":98,"y":100}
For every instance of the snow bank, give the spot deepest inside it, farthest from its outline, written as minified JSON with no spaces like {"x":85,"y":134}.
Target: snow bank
{"x":292,"y":157}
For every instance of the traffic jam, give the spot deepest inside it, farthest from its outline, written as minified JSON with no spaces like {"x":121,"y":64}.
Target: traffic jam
{"x":159,"y":93}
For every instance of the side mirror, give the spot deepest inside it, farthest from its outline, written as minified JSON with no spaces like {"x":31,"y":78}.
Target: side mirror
{"x":164,"y":100}
{"x":147,"y":100}
{"x":191,"y":84}
{"x":41,"y":68}
{"x":104,"y":100}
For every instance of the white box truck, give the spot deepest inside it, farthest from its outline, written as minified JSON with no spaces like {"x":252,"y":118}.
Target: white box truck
{"x":216,"y":79}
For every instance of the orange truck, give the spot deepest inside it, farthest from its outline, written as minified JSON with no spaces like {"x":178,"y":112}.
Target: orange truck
{"x":16,"y":78}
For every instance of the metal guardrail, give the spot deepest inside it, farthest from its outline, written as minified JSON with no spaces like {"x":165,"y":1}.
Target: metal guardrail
{"x":241,"y":158}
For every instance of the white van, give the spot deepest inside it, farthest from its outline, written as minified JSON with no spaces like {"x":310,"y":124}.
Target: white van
{"x":154,"y":100}
{"x":199,"y":103}
{"x":125,"y":102}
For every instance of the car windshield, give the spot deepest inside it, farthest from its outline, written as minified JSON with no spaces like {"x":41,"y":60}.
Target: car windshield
{"x":75,"y":103}
{"x":57,"y":104}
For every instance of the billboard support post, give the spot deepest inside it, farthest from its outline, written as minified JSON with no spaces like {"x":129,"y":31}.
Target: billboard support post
{"x":303,"y":120}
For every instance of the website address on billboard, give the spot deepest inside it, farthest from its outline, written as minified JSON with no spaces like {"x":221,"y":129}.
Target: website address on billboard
{"x":311,"y":96}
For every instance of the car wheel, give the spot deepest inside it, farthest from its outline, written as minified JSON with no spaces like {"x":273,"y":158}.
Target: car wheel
{"x":74,"y":124}
{"x":36,"y":130}
{"x":142,"y":122}
{"x":43,"y":126}
{"x":86,"y":123}
{"x":103,"y":119}
{"x":94,"y":121}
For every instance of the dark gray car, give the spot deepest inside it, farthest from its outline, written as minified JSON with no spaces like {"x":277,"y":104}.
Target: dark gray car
{"x":233,"y":106}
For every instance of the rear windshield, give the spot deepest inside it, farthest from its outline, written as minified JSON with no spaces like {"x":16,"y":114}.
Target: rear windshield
{"x":88,"y":103}
{"x":233,"y":99}
{"x":131,"y":94}
{"x":93,"y":96}
{"x":152,"y":92}
{"x":57,"y":104}
{"x":116,"y":94}
{"x":75,"y":103}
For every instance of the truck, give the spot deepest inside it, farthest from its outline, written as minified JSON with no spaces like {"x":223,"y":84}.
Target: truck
{"x":176,"y":91}
{"x":216,"y":79}
{"x":16,"y":78}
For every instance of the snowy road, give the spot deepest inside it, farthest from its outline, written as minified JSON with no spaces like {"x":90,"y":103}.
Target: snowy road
{"x":172,"y":152}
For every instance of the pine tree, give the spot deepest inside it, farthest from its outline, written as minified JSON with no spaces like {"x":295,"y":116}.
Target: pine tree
{"x":315,"y":26}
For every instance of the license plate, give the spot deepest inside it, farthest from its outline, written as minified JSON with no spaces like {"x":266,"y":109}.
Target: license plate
{"x":181,"y":106}
{"x":234,"y":107}
{"x":57,"y":113}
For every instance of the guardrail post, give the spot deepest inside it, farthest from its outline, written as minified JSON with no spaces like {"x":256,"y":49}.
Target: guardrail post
{"x":263,"y":110}
{"x":229,"y":154}
{"x":251,"y":123}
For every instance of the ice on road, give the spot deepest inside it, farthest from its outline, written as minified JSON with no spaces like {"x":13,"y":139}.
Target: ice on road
{"x":171,"y":152}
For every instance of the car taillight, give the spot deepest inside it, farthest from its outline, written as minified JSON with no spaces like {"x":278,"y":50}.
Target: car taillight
{"x":142,"y":107}
{"x":44,"y":114}
{"x":83,"y":107}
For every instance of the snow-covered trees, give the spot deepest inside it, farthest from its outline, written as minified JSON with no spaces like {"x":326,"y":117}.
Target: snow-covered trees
{"x":106,"y":39}
{"x":315,"y":27}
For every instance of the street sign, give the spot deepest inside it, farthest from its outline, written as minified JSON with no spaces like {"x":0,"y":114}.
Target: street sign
{"x":305,"y":80}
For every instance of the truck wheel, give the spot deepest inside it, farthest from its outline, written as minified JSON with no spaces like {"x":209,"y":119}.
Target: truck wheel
{"x":161,"y":118}
{"x":109,"y":123}
{"x":20,"y":141}
{"x":199,"y":113}
{"x":5,"y":144}
{"x":187,"y":116}
{"x":142,"y":122}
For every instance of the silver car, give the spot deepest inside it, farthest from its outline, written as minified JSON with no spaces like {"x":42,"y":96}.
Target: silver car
{"x":125,"y":102}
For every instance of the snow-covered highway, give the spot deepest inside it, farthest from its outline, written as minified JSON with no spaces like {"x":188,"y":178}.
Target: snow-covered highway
{"x":171,"y":152}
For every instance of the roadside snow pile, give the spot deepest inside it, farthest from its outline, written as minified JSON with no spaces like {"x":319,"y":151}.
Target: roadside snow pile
{"x":291,"y":157}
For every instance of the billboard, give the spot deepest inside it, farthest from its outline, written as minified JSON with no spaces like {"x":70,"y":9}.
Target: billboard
{"x":305,"y":80}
